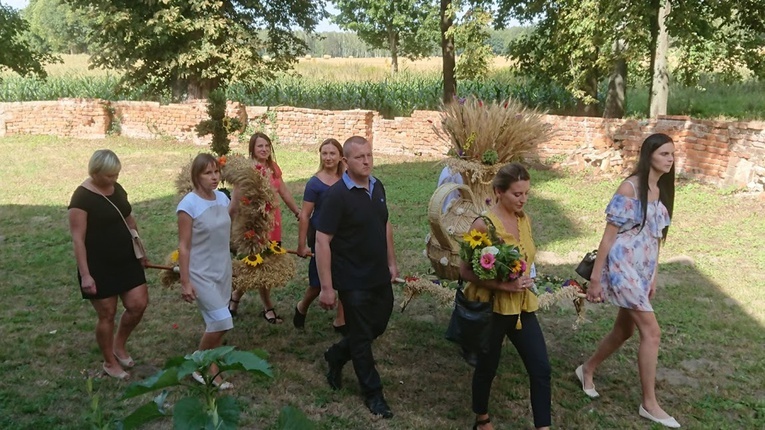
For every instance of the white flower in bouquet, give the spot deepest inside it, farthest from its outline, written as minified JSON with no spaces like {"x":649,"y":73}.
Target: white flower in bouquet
{"x":493,"y":250}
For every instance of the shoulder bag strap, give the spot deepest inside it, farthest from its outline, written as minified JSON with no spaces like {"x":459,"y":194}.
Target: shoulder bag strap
{"x":115,"y":207}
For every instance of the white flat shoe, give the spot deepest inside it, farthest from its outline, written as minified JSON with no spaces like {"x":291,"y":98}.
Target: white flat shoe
{"x":591,"y":393}
{"x":221,"y":386}
{"x":224,"y":385}
{"x":666,"y":422}
{"x":198,"y":377}
{"x":121,"y":375}
{"x":126,"y":363}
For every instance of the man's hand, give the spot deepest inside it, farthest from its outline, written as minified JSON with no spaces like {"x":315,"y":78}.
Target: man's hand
{"x":393,"y":269}
{"x":327,"y":298}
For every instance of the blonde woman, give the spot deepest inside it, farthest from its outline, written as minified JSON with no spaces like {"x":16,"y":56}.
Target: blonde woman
{"x":107,"y":268}
{"x":331,"y":168}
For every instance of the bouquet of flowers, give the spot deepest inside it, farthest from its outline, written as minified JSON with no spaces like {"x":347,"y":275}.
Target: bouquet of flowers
{"x":489,"y":257}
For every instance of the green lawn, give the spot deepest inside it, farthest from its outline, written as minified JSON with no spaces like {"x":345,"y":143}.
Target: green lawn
{"x":711,"y":365}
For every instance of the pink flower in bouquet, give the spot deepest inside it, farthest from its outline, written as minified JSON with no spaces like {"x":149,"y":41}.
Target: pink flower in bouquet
{"x":487,"y":261}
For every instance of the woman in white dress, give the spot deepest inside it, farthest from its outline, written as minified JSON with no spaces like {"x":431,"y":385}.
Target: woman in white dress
{"x":204,"y":231}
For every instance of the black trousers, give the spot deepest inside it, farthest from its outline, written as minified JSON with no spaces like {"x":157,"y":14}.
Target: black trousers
{"x":530,"y":344}
{"x":367,"y":313}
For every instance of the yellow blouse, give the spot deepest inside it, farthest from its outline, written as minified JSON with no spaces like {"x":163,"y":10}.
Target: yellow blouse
{"x":506,"y":303}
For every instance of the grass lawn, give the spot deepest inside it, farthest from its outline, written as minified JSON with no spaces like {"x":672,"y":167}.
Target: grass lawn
{"x":711,"y":366}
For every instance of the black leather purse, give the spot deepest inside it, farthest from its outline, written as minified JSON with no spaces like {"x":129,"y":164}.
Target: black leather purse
{"x":584,"y":269}
{"x":470,"y":325}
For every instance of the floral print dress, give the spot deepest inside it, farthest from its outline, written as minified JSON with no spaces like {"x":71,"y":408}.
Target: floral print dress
{"x":631,"y":263}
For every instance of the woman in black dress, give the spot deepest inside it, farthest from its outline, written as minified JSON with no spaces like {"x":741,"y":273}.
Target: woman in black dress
{"x":107,"y":267}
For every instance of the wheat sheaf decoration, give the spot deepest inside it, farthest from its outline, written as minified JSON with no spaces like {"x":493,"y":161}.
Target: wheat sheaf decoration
{"x":485,"y":135}
{"x":250,"y":230}
{"x":253,"y":224}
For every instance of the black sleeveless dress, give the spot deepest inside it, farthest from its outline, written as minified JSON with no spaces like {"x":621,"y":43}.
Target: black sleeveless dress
{"x":108,"y":243}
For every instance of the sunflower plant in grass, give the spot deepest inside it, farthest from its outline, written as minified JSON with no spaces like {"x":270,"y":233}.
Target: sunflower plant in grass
{"x":203,"y":407}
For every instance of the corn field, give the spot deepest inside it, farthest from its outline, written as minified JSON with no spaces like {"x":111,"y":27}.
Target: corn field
{"x":408,"y":91}
{"x":394,"y":96}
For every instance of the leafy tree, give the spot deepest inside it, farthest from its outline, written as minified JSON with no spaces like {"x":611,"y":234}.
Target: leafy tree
{"x":471,"y":38}
{"x":572,"y":43}
{"x":576,"y":43}
{"x":15,"y":53}
{"x":56,"y":26}
{"x":404,"y":27}
{"x":500,"y":39}
{"x":195,"y":46}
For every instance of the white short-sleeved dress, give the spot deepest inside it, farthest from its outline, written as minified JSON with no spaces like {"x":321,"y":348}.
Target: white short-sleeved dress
{"x":210,"y":259}
{"x":631,"y":263}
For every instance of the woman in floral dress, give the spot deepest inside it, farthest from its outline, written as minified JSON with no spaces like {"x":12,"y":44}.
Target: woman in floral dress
{"x":638,"y":218}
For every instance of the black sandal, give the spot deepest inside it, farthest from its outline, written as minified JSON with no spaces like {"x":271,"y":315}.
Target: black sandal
{"x":233,"y":311}
{"x":276,"y":319}
{"x":480,"y":423}
{"x":299,"y":319}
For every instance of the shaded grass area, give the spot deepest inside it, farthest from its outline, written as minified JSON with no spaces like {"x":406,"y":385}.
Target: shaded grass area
{"x":711,"y":365}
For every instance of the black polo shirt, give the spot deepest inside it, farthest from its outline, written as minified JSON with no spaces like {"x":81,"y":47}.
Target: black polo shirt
{"x":359,"y":245}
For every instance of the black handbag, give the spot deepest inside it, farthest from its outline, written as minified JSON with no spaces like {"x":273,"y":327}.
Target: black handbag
{"x":470,"y":325}
{"x":584,"y":269}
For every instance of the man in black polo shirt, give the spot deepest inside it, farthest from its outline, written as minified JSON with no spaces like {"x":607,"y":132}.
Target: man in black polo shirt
{"x":354,"y":254}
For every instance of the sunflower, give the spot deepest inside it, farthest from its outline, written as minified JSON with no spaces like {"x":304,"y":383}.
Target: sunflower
{"x":174,"y":256}
{"x":253,"y":260}
{"x":476,"y":238}
{"x":275,"y":248}
{"x":516,"y":266}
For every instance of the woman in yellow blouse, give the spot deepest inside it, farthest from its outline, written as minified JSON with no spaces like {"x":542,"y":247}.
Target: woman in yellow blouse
{"x":514,"y":304}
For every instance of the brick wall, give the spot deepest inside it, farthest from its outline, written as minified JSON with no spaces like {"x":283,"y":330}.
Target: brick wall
{"x":718,"y":152}
{"x":311,"y":126}
{"x":85,"y":118}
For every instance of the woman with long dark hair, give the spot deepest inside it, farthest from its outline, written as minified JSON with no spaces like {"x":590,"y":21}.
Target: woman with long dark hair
{"x":624,"y":272}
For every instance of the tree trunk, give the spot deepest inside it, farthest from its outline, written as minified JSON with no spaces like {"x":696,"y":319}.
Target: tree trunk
{"x":447,"y":51}
{"x":590,"y":88}
{"x":617,"y":85}
{"x":659,"y":94}
{"x":393,"y":46}
{"x":197,"y":89}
